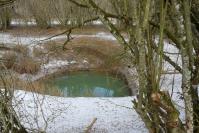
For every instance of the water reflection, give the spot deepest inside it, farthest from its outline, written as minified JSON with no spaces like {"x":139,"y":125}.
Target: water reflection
{"x":100,"y":92}
{"x":90,"y":84}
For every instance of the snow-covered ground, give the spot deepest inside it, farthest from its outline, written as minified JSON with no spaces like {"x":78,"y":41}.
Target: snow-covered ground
{"x":172,"y":83}
{"x":7,"y":38}
{"x":32,"y":22}
{"x":73,"y":115}
{"x":173,"y":80}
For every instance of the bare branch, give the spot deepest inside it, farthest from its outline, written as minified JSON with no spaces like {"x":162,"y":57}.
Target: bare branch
{"x":6,"y":2}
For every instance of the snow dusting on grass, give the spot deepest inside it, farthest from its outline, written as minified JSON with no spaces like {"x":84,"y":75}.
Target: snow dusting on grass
{"x":46,"y":69}
{"x":57,"y":63}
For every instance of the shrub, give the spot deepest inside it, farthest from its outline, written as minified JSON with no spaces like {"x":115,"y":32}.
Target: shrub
{"x":27,"y":65}
{"x":20,"y":64}
{"x":38,"y":52}
{"x":51,"y":46}
{"x":21,"y":49}
{"x":9,"y":59}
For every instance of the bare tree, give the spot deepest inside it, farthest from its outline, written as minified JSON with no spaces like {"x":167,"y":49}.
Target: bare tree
{"x":144,"y":21}
{"x":9,"y":121}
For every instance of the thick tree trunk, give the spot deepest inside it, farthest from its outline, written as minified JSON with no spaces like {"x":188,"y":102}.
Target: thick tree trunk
{"x":5,"y":18}
{"x":187,"y":67}
{"x":186,"y":88}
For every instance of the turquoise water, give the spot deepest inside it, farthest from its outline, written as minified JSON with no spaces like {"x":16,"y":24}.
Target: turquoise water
{"x":90,"y":84}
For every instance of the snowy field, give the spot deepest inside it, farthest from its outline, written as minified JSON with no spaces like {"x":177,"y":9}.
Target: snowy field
{"x":73,"y":115}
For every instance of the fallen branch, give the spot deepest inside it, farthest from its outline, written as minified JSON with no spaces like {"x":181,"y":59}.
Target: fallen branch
{"x":90,"y":126}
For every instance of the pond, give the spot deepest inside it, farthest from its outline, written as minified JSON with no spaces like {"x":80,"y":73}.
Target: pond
{"x":90,"y":84}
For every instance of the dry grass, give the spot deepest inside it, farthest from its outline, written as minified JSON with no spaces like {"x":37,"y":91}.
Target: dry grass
{"x":21,"y":49}
{"x":27,"y":65}
{"x":105,"y":46}
{"x":54,"y":49}
{"x":40,"y":87}
{"x":53,"y":46}
{"x":38,"y":52}
{"x":10,"y":81}
{"x":95,"y":48}
{"x":90,"y":30}
{"x":96,"y":51}
{"x":9,"y":59}
{"x":20,"y":64}
{"x":20,"y":61}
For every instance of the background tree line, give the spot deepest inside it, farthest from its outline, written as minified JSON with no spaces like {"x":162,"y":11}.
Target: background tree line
{"x":45,"y":13}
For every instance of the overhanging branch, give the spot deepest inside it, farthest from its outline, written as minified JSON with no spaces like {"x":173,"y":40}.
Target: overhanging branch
{"x":6,"y":2}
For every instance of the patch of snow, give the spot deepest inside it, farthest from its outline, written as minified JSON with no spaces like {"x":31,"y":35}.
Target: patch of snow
{"x":58,"y":114}
{"x":55,"y":64}
{"x":175,"y":91}
{"x":173,"y":82}
{"x":172,"y":52}
{"x":6,"y":38}
{"x":55,"y":22}
{"x":73,"y":62}
{"x":30,"y":22}
{"x":85,"y":61}
{"x":21,"y":22}
{"x":105,"y":36}
{"x":97,"y":22}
